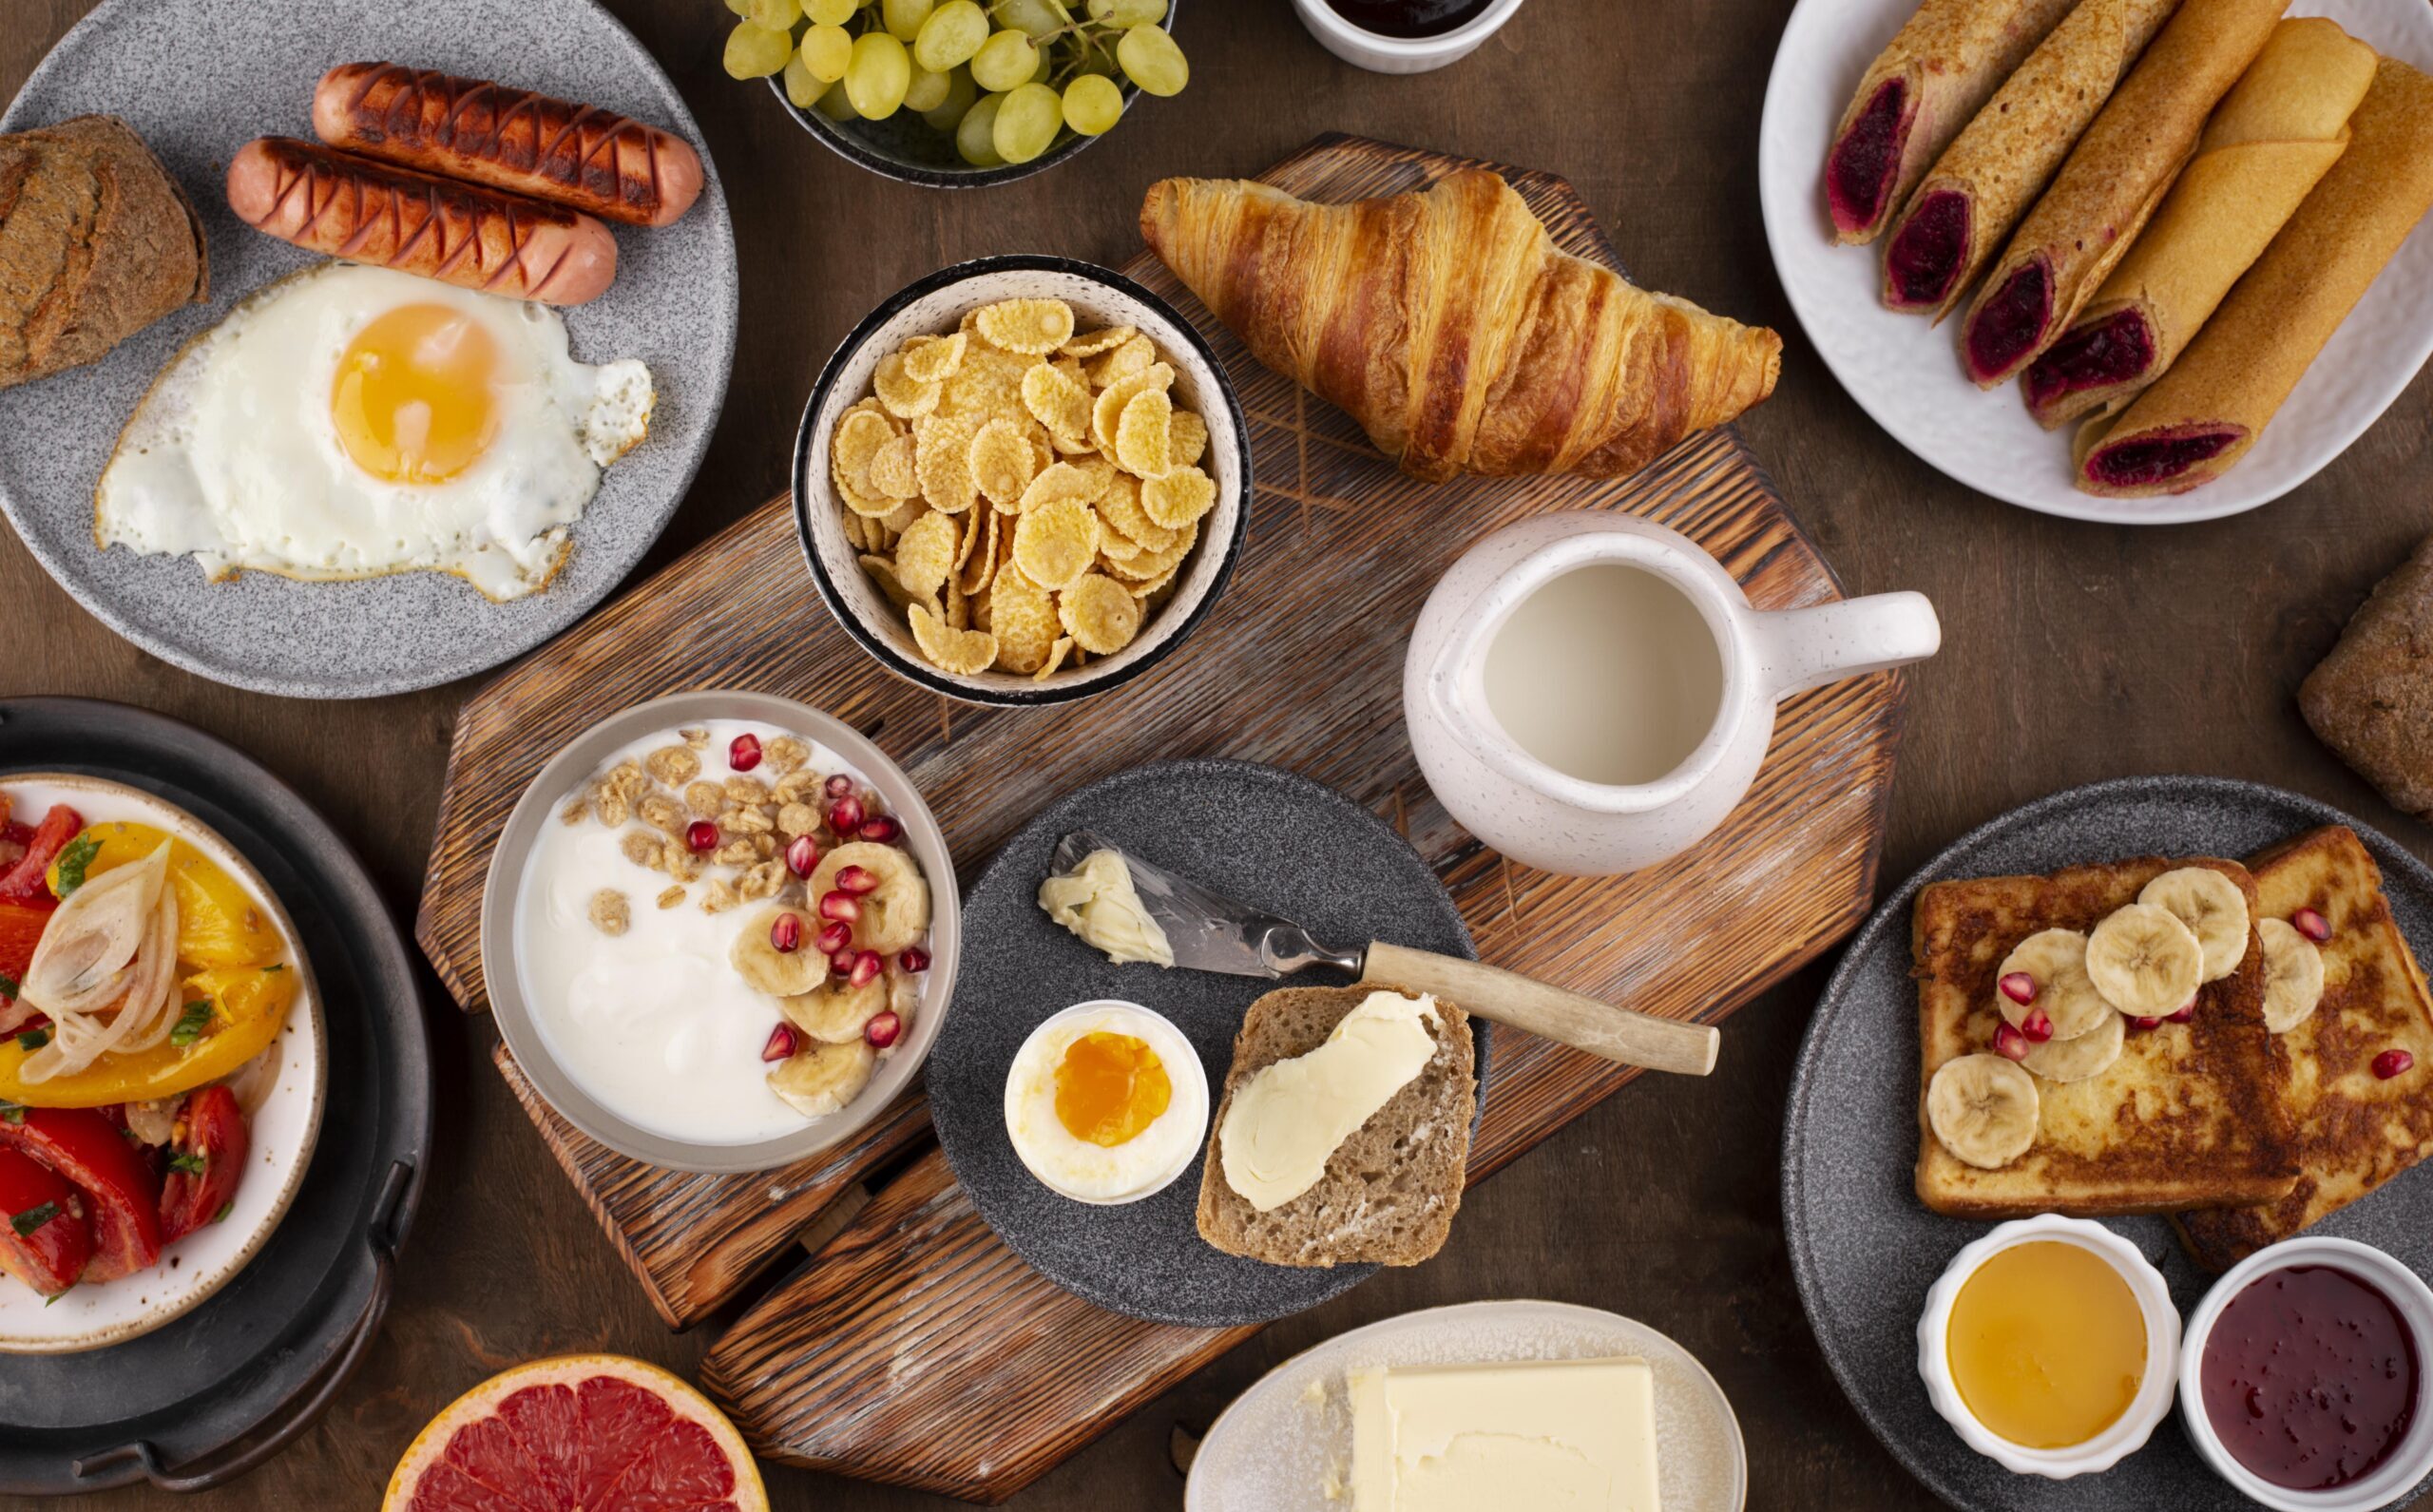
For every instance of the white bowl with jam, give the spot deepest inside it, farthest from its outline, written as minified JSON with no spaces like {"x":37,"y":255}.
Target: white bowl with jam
{"x":1403,"y":36}
{"x":2302,"y":1380}
{"x":2051,"y":1347}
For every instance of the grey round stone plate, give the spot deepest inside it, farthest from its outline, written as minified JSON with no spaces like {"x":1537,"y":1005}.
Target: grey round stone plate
{"x":1865,"y":1251}
{"x":1254,"y":834}
{"x":200,"y":78}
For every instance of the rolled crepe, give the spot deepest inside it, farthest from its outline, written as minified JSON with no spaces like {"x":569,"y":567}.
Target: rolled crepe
{"x":2270,"y":145}
{"x":1938,"y":72}
{"x":1979,"y":189}
{"x":2112,"y":182}
{"x":2203,"y":416}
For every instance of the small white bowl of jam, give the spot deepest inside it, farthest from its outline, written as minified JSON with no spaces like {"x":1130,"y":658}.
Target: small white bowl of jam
{"x":1403,"y":36}
{"x":2302,"y":1381}
{"x":2050,"y":1346}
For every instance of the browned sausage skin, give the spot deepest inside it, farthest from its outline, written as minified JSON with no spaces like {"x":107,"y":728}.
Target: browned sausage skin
{"x":463,"y":234}
{"x":592,"y":159}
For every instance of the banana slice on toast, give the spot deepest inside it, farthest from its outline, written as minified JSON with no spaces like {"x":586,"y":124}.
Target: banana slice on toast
{"x":1984,"y":1108}
{"x":2213,"y":908}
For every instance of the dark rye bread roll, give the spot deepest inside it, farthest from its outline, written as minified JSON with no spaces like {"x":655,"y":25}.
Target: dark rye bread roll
{"x":1391,"y":1189}
{"x":97,"y":241}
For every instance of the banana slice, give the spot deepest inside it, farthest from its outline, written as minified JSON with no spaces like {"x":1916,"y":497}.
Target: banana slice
{"x":779,"y":974}
{"x":2213,"y":908}
{"x":2090,"y":1055}
{"x":819,"y":1081}
{"x":2144,"y":960}
{"x":1984,"y":1108}
{"x":2056,"y":961}
{"x":896,"y":912}
{"x":2292,"y":975}
{"x":835,"y":1012}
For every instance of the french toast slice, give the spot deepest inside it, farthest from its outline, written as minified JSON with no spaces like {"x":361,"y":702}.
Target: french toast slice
{"x":2191,"y":1115}
{"x":2354,"y":1130}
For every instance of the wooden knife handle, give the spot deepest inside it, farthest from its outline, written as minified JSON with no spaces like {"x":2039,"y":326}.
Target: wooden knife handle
{"x":1583,"y":1022}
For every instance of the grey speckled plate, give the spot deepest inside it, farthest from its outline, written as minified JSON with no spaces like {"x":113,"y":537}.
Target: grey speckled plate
{"x":200,"y":78}
{"x":1253,"y":832}
{"x":1865,"y":1251}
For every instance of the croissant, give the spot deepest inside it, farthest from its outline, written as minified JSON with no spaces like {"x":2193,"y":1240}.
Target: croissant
{"x":1447,"y":325}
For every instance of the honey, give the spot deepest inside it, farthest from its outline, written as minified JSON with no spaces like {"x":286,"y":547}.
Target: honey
{"x":2047,"y":1343}
{"x":1109,"y":1087}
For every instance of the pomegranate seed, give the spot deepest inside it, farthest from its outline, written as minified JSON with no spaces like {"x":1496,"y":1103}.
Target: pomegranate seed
{"x":2187,"y":1011}
{"x":2009,"y":1041}
{"x":839,"y":906}
{"x":2038,"y":1025}
{"x":835,"y":938}
{"x":842,"y":961}
{"x":802,"y":855}
{"x":785,"y":937}
{"x":2145,"y":1022}
{"x":744,"y":753}
{"x":845,"y":814}
{"x":856,"y":880}
{"x":838,"y":785}
{"x":882,"y":829}
{"x":2392,"y":1062}
{"x":882,"y":1029}
{"x":914,"y":959}
{"x":2020,"y":988}
{"x":700,"y":835}
{"x":781,"y":1043}
{"x":2314,"y":926}
{"x":867,"y":967}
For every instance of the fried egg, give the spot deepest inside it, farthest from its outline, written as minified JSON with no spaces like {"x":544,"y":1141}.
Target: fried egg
{"x":352,"y":422}
{"x":1106,"y":1102}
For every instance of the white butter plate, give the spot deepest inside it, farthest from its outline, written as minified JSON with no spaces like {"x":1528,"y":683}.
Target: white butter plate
{"x":1905,"y":372}
{"x":1274,"y":1449}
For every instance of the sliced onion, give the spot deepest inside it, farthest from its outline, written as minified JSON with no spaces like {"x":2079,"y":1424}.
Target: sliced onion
{"x":252,"y":1083}
{"x":82,"y":963}
{"x":155,"y":1121}
{"x":88,"y":1021}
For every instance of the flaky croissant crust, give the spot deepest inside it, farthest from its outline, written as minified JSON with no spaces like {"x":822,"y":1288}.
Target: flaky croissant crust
{"x":1450,"y":328}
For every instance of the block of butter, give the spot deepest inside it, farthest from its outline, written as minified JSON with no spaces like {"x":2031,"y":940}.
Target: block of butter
{"x":1547,"y":1435}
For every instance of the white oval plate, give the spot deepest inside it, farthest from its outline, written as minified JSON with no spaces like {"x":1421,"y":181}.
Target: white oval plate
{"x":280,"y":1131}
{"x":1905,"y":372}
{"x":1275,"y":1447}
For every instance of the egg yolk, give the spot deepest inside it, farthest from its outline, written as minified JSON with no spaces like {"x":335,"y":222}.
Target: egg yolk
{"x":412,"y":400}
{"x":1109,"y":1087}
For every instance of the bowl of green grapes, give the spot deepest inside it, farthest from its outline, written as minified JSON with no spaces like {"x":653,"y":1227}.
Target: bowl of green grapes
{"x":958,"y":93}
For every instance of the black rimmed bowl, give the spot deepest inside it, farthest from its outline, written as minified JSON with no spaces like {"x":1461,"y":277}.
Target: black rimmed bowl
{"x":933,"y":306}
{"x":910,"y":150}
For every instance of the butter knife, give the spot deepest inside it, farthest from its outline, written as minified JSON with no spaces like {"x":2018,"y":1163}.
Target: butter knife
{"x":1212,"y":932}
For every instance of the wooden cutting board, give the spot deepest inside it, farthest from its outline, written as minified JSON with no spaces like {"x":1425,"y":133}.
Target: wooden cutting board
{"x":915,"y":1348}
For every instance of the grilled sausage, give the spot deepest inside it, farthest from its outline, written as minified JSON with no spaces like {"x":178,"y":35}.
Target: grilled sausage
{"x":463,"y":234}
{"x":594,"y":161}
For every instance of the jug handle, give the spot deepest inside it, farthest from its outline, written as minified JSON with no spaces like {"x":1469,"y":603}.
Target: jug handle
{"x":1799,"y":649}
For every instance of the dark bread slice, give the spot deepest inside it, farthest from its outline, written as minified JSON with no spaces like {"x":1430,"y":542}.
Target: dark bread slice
{"x":1391,"y":1189}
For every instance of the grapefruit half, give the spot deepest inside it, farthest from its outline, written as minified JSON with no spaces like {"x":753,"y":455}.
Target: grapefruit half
{"x":578,"y":1433}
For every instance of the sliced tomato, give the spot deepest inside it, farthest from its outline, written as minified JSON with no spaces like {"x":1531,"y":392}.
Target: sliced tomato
{"x":123,"y":1198}
{"x":206,"y":1160}
{"x":14,"y":839}
{"x":45,"y":1240}
{"x":24,"y":881}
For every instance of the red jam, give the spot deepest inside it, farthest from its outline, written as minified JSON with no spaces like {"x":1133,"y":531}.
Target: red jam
{"x":1927,"y":253}
{"x":2009,"y":323}
{"x":1410,"y":18}
{"x":2117,"y":349}
{"x":1859,"y":174}
{"x":2309,"y":1377}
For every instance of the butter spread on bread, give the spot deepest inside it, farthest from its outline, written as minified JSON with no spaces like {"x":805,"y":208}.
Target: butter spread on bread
{"x":1288,"y":1118}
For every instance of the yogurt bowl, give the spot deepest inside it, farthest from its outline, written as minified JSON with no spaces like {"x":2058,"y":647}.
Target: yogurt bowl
{"x":736,"y":954}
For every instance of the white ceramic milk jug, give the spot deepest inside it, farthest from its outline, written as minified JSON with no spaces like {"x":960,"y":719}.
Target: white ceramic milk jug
{"x":1590,"y":694}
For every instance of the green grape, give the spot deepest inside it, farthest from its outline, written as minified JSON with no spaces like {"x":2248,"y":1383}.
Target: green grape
{"x":827,"y":52}
{"x":1003,"y":60}
{"x":1036,"y":18}
{"x":879,"y":74}
{"x":926,"y":90}
{"x":830,"y":12}
{"x":836,"y":104}
{"x":1152,"y":60}
{"x":903,"y":18}
{"x":777,"y":16}
{"x":742,"y":7}
{"x":1092,"y":103}
{"x":1027,"y":123}
{"x":803,"y":86}
{"x":976,"y":137}
{"x":953,"y":32}
{"x":754,"y":51}
{"x":1128,"y":13}
{"x":948,"y":112}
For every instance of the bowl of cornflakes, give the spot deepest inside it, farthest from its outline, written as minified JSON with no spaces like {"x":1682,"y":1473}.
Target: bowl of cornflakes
{"x":1023,"y":480}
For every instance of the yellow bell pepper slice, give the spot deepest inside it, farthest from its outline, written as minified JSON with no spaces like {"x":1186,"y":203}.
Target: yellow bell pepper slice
{"x":218,"y":922}
{"x":231,"y":1015}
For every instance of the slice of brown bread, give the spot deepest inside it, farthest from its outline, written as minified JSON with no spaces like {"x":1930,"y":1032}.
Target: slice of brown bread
{"x":1391,"y":1189}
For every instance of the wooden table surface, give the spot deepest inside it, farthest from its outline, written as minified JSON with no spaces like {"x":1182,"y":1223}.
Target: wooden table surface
{"x":2072,"y":652}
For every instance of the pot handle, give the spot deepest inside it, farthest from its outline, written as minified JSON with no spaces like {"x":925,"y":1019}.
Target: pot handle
{"x":1799,"y":649}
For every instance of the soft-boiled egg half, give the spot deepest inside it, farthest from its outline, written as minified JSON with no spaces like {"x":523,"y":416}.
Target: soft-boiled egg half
{"x":351,"y":422}
{"x":1106,"y":1102}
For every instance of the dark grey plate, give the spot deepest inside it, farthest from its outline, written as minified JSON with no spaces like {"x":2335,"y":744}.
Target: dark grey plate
{"x":200,"y":78}
{"x":254,"y":1363}
{"x":1865,"y":1251}
{"x":1253,"y":832}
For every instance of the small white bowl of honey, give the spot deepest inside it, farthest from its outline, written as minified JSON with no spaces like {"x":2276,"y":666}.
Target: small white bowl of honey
{"x":2051,"y":1347}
